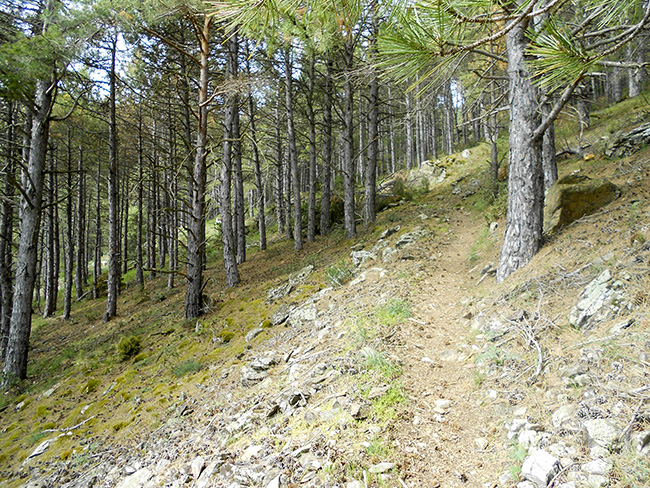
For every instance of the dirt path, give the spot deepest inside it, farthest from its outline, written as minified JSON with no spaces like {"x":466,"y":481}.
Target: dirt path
{"x":446,"y":442}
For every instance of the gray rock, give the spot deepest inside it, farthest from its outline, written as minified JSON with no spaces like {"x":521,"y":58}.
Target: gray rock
{"x":305,"y":313}
{"x":301,"y":276}
{"x":628,"y":143}
{"x":532,"y":439}
{"x":210,"y":470}
{"x":564,"y":418}
{"x":600,"y":432}
{"x":540,"y":467}
{"x":410,"y":237}
{"x":594,"y":301}
{"x":137,"y":479}
{"x":281,"y":314}
{"x":641,"y":441}
{"x":253,"y":333}
{"x":573,"y":370}
{"x":250,"y":376}
{"x":277,"y":293}
{"x":41,"y":448}
{"x":381,"y":467}
{"x":274,"y":483}
{"x":360,"y":257}
{"x":598,"y":467}
{"x":197,"y":466}
{"x":389,"y":232}
{"x":388,"y":254}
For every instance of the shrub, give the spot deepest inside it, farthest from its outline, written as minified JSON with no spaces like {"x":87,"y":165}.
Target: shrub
{"x":186,"y":367}
{"x":128,"y":347}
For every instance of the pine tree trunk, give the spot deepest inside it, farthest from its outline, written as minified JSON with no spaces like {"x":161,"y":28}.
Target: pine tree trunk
{"x":80,"y":262}
{"x":7,"y":230}
{"x":139,"y":253}
{"x":68,"y":262}
{"x":348,"y":146}
{"x":261,"y":218}
{"x":194,"y":306}
{"x":325,"y":217}
{"x":97,"y":264}
{"x":549,"y":163}
{"x":113,"y":188}
{"x":636,"y":76}
{"x":292,"y":151}
{"x":523,"y":234}
{"x":15,"y":366}
{"x":391,"y":139}
{"x":238,"y":175}
{"x":409,"y":133}
{"x":370,"y":210}
{"x":51,"y":269}
{"x":311,"y":210}
{"x":227,"y":238}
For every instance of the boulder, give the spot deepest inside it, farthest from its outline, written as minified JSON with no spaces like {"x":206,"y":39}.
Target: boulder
{"x":575,"y":196}
{"x":630,"y":142}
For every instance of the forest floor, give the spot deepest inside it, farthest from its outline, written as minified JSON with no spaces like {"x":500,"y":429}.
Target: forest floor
{"x":411,"y":369}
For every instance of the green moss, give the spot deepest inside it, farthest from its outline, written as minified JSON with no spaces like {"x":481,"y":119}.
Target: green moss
{"x":41,"y":411}
{"x":91,"y":386}
{"x":140,"y":357}
{"x":226,"y":335}
{"x":230,"y":322}
{"x":266,"y":324}
{"x":119,"y":426}
{"x":128,"y":347}
{"x":186,"y":367}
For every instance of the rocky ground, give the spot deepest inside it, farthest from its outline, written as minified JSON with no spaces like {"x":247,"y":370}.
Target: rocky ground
{"x":409,"y":367}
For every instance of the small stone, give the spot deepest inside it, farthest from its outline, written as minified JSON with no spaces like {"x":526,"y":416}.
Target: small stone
{"x":565,"y":418}
{"x":41,"y":448}
{"x":382,"y":468}
{"x":598,"y":467}
{"x":600,"y":432}
{"x":136,"y":480}
{"x":19,"y":406}
{"x":354,"y":484}
{"x":573,"y":370}
{"x":597,"y":481}
{"x":481,"y":443}
{"x":274,"y":483}
{"x":252,"y":334}
{"x":540,"y":467}
{"x":641,"y":440}
{"x":251,"y":452}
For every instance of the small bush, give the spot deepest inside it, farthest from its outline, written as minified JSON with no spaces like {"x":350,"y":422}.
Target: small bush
{"x":186,"y":367}
{"x":128,"y":347}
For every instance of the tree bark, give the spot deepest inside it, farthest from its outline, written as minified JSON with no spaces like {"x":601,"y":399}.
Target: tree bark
{"x":7,"y":230}
{"x":293,"y":153}
{"x":348,"y":145}
{"x":113,"y":188}
{"x":311,"y":210}
{"x":68,"y":262}
{"x":51,"y":248}
{"x":15,"y":366}
{"x":229,"y":261}
{"x":325,"y":217}
{"x":370,"y":210}
{"x":523,"y":234}
{"x":194,"y":306}
{"x":139,"y":254}
{"x":238,"y":174}
{"x":80,"y":262}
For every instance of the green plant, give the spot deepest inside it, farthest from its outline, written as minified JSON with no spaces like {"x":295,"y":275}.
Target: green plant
{"x":186,"y":367}
{"x":393,"y":312}
{"x":385,"y":407}
{"x":376,"y":361}
{"x":338,"y":273}
{"x":127,"y":347}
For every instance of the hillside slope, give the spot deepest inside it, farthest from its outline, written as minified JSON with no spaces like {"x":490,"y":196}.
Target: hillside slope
{"x":390,"y":360}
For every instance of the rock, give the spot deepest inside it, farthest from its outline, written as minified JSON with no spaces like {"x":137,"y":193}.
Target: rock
{"x":136,"y":480}
{"x":621,"y":326}
{"x":481,"y":443}
{"x":277,"y":293}
{"x":250,"y":376}
{"x":574,"y":196}
{"x":41,"y":448}
{"x":302,"y":314}
{"x":532,"y":439}
{"x":564,"y":418}
{"x":382,"y":467}
{"x":360,"y":257}
{"x":251,"y":452}
{"x":573,"y":370}
{"x":274,"y":483}
{"x":600,"y":432}
{"x":197,"y":466}
{"x":388,"y":254}
{"x":629,"y":142}
{"x":302,"y":275}
{"x":253,"y":333}
{"x":354,"y":484}
{"x":281,"y":314}
{"x":389,"y":232}
{"x":597,"y":481}
{"x":358,"y":411}
{"x":598,"y":467}
{"x":262,"y":363}
{"x":594,"y":298}
{"x":410,"y":237}
{"x":641,"y":441}
{"x":525,"y":484}
{"x":209,"y":471}
{"x":540,"y":468}
{"x":466,"y":153}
